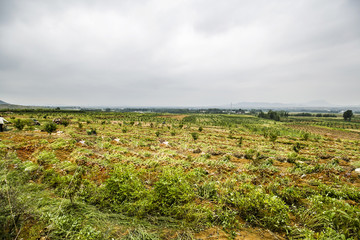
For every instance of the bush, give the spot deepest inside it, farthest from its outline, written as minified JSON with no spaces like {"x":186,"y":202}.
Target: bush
{"x":91,"y":131}
{"x":297,"y":147}
{"x":347,"y":115}
{"x":19,"y":124}
{"x":50,"y":127}
{"x":259,"y":208}
{"x":250,"y":153}
{"x":65,"y":122}
{"x":194,"y":135}
{"x":124,"y":186}
{"x":172,"y":189}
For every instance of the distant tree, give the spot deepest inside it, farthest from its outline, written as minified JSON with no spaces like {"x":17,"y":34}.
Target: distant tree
{"x":65,"y":122}
{"x":348,"y":114}
{"x":273,"y":115}
{"x":262,"y":114}
{"x":283,"y":114}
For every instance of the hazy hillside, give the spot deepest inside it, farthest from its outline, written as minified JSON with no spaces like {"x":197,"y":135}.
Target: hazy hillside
{"x":5,"y":105}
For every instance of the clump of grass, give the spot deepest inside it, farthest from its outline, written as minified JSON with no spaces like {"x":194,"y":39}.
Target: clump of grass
{"x":356,"y":164}
{"x":46,"y":157}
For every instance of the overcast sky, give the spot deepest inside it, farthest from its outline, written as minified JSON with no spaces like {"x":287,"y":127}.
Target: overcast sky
{"x":179,"y":52}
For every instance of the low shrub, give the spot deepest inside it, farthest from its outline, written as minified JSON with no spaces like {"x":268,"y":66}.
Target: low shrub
{"x":259,"y":208}
{"x":46,"y":158}
{"x":124,"y":186}
{"x":172,"y":189}
{"x":50,"y":127}
{"x":19,"y":124}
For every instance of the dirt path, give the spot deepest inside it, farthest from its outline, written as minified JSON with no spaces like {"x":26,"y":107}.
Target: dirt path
{"x":332,"y":133}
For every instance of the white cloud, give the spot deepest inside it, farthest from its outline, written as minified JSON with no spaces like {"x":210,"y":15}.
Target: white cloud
{"x":178,"y":52}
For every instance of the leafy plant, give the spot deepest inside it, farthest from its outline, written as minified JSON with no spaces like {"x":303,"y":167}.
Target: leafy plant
{"x":259,"y":208}
{"x":240,"y":141}
{"x":91,"y":131}
{"x":123,"y":186}
{"x":194,"y":136}
{"x":172,"y":189}
{"x":50,"y":127}
{"x":19,"y":124}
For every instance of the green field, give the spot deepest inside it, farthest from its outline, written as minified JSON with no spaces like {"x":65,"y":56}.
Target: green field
{"x":112,"y":175}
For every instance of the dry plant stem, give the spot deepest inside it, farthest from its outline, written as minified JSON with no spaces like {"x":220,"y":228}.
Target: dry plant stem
{"x":17,"y":235}
{"x":8,"y":197}
{"x":64,"y":199}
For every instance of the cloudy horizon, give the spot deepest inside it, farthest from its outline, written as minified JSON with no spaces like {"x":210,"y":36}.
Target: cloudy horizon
{"x":179,"y":53}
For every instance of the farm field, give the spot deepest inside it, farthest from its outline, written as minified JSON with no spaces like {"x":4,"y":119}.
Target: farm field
{"x":113,"y":175}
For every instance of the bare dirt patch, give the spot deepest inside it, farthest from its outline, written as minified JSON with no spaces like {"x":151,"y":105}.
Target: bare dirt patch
{"x":178,"y":117}
{"x":25,"y":153}
{"x":331,"y":133}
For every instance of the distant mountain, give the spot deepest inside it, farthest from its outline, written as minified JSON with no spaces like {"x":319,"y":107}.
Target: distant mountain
{"x":5,"y":105}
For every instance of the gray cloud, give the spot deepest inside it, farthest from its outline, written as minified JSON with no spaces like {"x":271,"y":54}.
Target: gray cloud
{"x":181,"y":53}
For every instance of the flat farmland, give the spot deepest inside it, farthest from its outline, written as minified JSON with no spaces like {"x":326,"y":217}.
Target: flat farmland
{"x":113,"y":175}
